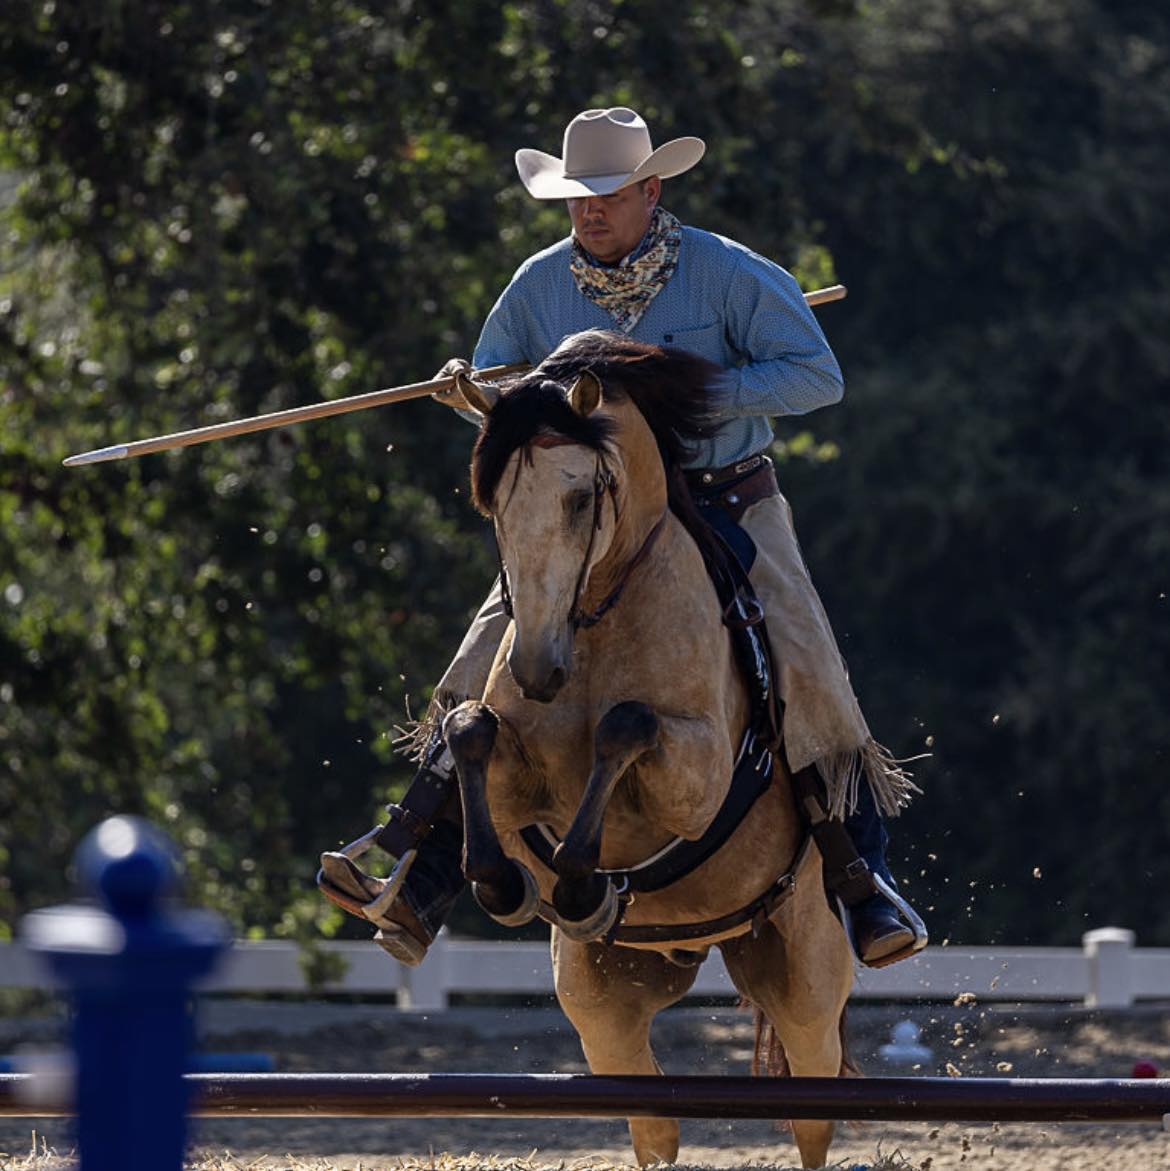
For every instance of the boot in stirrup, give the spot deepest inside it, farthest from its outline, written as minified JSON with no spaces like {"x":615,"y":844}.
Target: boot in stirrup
{"x":382,"y":901}
{"x":882,"y":926}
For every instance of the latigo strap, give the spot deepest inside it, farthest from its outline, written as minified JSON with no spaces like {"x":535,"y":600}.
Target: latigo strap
{"x":847,"y":874}
{"x":412,"y":819}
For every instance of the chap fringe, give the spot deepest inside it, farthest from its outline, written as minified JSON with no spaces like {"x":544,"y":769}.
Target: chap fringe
{"x":843,"y":773}
{"x":415,"y":737}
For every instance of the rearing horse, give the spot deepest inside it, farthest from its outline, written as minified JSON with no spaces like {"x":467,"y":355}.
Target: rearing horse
{"x":613,"y":718}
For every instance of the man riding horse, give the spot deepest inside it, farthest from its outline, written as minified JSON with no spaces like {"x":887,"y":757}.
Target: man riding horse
{"x":630,"y":265}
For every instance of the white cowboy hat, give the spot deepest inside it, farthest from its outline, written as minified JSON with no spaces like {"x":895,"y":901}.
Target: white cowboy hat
{"x":605,"y":150}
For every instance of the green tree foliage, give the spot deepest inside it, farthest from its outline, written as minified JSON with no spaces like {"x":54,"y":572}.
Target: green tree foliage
{"x":210,"y":224}
{"x":1004,"y":450}
{"x":219,"y":208}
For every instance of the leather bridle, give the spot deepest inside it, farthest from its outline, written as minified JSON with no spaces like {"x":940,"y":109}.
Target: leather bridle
{"x":604,"y":483}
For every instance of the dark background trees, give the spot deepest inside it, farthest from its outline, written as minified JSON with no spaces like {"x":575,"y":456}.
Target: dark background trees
{"x":217,"y":208}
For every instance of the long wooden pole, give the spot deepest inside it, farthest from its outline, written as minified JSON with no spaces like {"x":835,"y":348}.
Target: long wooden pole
{"x":829,"y":293}
{"x":556,"y":1095}
{"x":323,"y":410}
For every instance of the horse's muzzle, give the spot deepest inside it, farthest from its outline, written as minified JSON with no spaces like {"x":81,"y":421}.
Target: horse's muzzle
{"x":540,"y":675}
{"x":547,"y":691}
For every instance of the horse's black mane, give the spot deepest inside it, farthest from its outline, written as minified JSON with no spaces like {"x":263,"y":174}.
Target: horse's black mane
{"x":673,"y":389}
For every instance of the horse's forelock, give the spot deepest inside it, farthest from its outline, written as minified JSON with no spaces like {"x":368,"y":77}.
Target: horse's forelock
{"x":673,"y":389}
{"x":536,"y":406}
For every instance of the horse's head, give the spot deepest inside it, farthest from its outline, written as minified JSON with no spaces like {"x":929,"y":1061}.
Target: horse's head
{"x":548,"y":472}
{"x":572,"y":473}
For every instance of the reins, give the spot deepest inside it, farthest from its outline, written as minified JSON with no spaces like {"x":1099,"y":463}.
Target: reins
{"x":604,"y":481}
{"x":580,"y":619}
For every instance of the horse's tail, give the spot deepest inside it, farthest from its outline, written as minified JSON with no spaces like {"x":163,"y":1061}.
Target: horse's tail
{"x":769,"y":1058}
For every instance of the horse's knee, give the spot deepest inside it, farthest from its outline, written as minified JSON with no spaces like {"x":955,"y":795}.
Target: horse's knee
{"x":627,"y":730}
{"x":470,"y":731}
{"x":622,"y":735}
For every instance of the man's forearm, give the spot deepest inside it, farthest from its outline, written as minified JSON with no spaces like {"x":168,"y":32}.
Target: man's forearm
{"x":790,"y":385}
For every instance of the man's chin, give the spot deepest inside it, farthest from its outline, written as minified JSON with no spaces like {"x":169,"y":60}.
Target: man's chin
{"x":602,"y":250}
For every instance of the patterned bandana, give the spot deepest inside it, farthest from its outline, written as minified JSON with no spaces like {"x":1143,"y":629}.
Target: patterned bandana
{"x":625,"y":290}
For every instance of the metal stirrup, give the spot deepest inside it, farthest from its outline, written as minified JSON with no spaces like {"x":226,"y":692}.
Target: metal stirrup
{"x":909,"y":915}
{"x":375,"y":910}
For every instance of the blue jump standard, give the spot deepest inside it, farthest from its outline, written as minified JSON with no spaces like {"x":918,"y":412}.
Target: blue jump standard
{"x":923,"y":1099}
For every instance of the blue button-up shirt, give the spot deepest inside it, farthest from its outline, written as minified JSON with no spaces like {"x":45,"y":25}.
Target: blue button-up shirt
{"x":724,"y":302}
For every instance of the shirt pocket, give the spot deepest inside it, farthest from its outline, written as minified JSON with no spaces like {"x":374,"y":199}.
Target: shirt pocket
{"x":704,"y":340}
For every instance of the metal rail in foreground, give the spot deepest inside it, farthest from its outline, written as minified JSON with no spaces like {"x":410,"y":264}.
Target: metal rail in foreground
{"x":377,"y":1095}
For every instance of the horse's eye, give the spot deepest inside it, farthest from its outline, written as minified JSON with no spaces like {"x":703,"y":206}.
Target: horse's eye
{"x":577,"y":504}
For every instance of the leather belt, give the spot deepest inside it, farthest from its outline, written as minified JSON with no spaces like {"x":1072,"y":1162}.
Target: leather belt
{"x":742,"y":485}
{"x":704,"y":479}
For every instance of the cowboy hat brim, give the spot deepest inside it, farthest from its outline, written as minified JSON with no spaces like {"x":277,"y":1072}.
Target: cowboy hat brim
{"x":544,"y":176}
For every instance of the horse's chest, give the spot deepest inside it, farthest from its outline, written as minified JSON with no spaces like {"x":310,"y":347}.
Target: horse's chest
{"x":560,"y":754}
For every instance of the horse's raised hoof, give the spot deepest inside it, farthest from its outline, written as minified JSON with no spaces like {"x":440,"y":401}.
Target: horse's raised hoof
{"x":470,"y":733}
{"x":595,"y":924}
{"x":514,"y":906}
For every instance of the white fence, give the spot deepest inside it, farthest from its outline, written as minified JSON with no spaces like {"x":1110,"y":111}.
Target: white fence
{"x":1106,"y":972}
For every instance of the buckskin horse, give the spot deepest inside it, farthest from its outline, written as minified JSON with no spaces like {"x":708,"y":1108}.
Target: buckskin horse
{"x":613,"y":720}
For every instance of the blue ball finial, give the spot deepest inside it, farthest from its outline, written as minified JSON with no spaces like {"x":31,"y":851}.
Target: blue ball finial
{"x":130,"y":966}
{"x":129,"y":864}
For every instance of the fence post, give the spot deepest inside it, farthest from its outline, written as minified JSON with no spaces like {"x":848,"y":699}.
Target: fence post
{"x":128,"y":966}
{"x":424,"y":989}
{"x":1109,"y":953}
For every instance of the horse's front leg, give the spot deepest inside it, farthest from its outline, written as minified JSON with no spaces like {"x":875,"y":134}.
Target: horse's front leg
{"x":505,"y":889}
{"x":586,"y":903}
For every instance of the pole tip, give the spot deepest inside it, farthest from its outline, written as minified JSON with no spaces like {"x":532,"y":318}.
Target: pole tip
{"x":102,"y":455}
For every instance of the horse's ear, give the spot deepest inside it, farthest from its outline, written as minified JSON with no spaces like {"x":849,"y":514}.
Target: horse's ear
{"x":479,"y":395}
{"x":585,"y":393}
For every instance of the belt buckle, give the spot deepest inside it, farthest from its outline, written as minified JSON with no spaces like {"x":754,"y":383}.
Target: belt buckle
{"x":746,"y":465}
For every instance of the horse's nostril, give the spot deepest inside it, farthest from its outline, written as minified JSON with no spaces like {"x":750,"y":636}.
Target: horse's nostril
{"x":557,"y":679}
